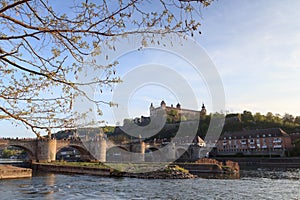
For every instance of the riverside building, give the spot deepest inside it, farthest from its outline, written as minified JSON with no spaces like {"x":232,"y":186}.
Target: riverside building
{"x":268,"y":142}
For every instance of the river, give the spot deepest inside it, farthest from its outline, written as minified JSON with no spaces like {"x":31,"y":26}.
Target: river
{"x":255,"y":184}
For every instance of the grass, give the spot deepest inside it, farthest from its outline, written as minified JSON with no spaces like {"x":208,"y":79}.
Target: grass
{"x":79,"y":164}
{"x":137,"y":167}
{"x":128,"y":167}
{"x":177,"y":168}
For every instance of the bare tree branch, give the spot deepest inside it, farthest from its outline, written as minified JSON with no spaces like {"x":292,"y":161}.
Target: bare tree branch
{"x":42,"y":51}
{"x":13,"y":5}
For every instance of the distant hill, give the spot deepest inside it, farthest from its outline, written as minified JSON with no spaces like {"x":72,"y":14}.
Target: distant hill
{"x":233,"y":122}
{"x":248,"y":121}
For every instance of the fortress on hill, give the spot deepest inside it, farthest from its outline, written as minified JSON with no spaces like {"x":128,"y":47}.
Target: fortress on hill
{"x":176,"y":114}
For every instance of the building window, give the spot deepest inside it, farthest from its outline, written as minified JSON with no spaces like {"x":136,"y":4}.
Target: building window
{"x":251,"y":141}
{"x":277,"y":140}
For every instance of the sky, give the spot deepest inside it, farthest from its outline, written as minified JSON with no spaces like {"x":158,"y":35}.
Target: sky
{"x":255,"y":48}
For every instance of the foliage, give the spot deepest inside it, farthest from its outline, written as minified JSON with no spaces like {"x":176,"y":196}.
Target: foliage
{"x":108,"y":129}
{"x":176,"y":168}
{"x":297,"y":120}
{"x":173,"y":116}
{"x":79,"y":164}
{"x":43,"y":45}
{"x":81,"y":133}
{"x":233,"y":122}
{"x":7,"y":153}
{"x":63,"y":134}
{"x":183,"y":118}
{"x":247,"y":117}
{"x":259,"y":121}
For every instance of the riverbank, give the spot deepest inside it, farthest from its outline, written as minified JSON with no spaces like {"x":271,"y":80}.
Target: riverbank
{"x":168,"y":172}
{"x":137,"y":170}
{"x":206,"y":168}
{"x":11,"y":172}
{"x":263,"y":162}
{"x":69,"y":169}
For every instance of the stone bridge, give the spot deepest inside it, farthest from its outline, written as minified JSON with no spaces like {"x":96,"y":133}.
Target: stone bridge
{"x":103,"y":150}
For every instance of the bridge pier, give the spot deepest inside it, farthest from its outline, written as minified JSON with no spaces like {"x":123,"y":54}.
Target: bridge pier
{"x":96,"y":149}
{"x":171,"y":152}
{"x":139,"y":155}
{"x":46,"y":150}
{"x":101,"y":150}
{"x":142,"y":151}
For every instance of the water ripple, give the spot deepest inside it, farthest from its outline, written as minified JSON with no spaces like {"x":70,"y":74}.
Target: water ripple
{"x":258,"y":184}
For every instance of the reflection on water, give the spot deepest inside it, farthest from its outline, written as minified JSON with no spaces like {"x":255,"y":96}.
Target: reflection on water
{"x":8,"y":161}
{"x":50,"y":181}
{"x":262,"y":183}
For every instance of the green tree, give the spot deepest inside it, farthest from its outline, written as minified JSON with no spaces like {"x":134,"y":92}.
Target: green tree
{"x":109,"y":129}
{"x":288,"y":118}
{"x":42,"y":50}
{"x":173,"y":116}
{"x":183,"y":118}
{"x":270,"y":117}
{"x":278,"y":118}
{"x":297,"y":120}
{"x":173,"y":113}
{"x":7,"y":153}
{"x":247,"y":116}
{"x":218,"y":115}
{"x":258,"y":117}
{"x":169,"y":120}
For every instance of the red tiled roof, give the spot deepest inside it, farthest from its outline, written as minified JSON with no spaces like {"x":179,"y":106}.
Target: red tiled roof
{"x":275,"y":132}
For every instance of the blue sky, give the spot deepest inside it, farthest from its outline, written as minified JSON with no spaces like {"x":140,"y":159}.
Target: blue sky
{"x":255,"y":46}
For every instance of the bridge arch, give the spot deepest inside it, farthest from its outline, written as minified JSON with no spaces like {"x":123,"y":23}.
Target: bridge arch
{"x":182,"y":153}
{"x":118,"y":154}
{"x":85,"y":155}
{"x":153,"y":154}
{"x":29,"y":152}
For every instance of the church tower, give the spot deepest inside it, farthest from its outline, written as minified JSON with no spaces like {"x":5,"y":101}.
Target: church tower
{"x":163,"y":104}
{"x":151,"y":109}
{"x":203,"y":110}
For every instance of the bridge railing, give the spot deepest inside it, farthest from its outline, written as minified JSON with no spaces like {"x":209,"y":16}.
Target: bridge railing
{"x":17,"y":138}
